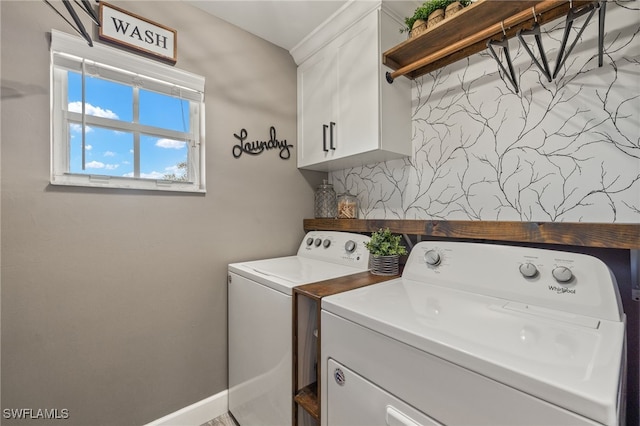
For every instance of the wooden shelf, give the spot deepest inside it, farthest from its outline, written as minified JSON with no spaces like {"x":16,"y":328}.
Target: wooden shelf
{"x":317,"y":291}
{"x":604,"y":235}
{"x":308,"y":397}
{"x":467,"y":33}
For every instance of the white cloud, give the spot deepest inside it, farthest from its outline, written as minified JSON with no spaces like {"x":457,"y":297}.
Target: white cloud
{"x":170,"y":143}
{"x":88,"y":147}
{"x":100,"y":165}
{"x":109,"y":154}
{"x":77,"y":128}
{"x":92,"y":110}
{"x":152,"y":175}
{"x":94,"y":165}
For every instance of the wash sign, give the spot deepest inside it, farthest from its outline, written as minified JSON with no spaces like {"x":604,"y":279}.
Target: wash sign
{"x":126,"y":29}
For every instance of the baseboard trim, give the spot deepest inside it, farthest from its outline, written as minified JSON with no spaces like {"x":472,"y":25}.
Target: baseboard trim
{"x":197,"y":413}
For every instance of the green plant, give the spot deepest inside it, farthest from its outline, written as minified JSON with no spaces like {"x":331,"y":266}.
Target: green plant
{"x":427,"y":8}
{"x":384,"y":243}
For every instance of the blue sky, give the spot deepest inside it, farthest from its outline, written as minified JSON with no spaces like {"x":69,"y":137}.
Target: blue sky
{"x":110,"y":152}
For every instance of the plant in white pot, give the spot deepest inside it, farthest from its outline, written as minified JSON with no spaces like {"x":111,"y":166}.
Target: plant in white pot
{"x":385,"y":250}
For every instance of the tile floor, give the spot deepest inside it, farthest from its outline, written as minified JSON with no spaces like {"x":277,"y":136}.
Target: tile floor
{"x":223,"y":420}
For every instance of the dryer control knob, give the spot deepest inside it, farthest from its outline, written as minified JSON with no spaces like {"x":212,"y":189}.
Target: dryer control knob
{"x":562,"y":274}
{"x":432,"y":257}
{"x":528,"y":270}
{"x":350,"y":246}
{"x":326,"y":243}
{"x":309,"y":241}
{"x":318,"y":242}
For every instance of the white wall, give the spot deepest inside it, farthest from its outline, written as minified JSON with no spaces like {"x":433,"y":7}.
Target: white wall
{"x":568,"y":150}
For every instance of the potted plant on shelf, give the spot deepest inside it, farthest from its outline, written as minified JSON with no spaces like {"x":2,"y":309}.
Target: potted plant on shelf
{"x":385,"y":250}
{"x":430,"y":13}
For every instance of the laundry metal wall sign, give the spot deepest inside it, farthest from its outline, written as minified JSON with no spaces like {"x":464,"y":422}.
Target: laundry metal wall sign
{"x":258,"y":147}
{"x":134,"y":32}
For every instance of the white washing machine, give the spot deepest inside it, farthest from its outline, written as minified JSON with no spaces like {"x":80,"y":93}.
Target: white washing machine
{"x":260,"y":321}
{"x":477,"y":334}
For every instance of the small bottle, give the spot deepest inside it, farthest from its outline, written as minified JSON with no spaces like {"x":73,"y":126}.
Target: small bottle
{"x":347,"y":206}
{"x":325,"y":201}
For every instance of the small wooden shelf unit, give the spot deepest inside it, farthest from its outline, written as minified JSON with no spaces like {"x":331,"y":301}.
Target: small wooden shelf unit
{"x":308,"y":397}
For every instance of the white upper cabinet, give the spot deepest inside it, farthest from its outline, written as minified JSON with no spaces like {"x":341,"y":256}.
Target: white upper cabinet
{"x":348,"y":115}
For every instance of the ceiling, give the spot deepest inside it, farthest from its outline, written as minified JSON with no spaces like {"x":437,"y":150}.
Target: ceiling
{"x":282,"y":22}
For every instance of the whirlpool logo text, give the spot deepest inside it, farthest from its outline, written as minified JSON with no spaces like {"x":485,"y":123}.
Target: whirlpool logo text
{"x":562,"y":290}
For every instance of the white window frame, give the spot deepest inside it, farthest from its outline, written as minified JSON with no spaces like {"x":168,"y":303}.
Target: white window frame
{"x":72,"y":53}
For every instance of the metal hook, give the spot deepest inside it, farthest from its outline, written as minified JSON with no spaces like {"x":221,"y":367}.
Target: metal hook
{"x":535,"y":31}
{"x":504,"y":33}
{"x":571,"y":17}
{"x":533,"y":10}
{"x":509,"y":74}
{"x":78,"y":27}
{"x":601,"y":13}
{"x":86,"y":8}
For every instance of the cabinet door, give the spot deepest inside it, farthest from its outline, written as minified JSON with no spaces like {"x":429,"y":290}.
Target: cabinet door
{"x":357,"y":122}
{"x":316,"y":108}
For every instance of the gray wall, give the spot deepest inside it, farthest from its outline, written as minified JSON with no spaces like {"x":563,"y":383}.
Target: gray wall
{"x":114,"y":302}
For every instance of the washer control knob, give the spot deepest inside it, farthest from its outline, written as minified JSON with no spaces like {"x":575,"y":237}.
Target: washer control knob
{"x":318,"y":242}
{"x":350,"y":246}
{"x":528,"y":270}
{"x":326,"y":243}
{"x":309,"y":241}
{"x":562,"y":274}
{"x":432,"y":257}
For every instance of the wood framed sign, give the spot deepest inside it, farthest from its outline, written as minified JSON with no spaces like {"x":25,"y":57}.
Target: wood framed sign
{"x":134,"y":32}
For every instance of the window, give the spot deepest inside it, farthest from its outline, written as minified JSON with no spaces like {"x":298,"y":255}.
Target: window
{"x":121,"y":121}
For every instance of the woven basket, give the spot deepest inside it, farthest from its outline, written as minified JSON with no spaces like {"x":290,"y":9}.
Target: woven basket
{"x":435,"y":17}
{"x":418,"y":28}
{"x":384,"y":265}
{"x":452,"y":9}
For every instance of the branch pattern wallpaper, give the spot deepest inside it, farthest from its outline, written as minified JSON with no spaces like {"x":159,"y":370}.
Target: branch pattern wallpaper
{"x":565,"y":150}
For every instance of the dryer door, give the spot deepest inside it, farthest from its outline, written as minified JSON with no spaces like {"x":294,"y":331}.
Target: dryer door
{"x":355,"y":401}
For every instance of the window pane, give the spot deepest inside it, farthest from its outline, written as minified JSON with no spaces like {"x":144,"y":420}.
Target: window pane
{"x":104,"y":98}
{"x":107,"y":152}
{"x":163,"y":158}
{"x":142,"y":120}
{"x":166,"y":112}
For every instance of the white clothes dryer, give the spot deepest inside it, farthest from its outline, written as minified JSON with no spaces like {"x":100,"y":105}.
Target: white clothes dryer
{"x":260,"y":321}
{"x":477,"y":334}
